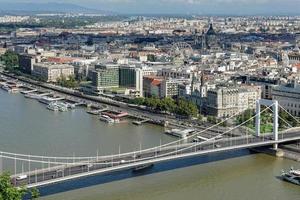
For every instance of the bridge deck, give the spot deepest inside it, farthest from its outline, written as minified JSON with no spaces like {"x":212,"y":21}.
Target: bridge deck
{"x":116,"y":163}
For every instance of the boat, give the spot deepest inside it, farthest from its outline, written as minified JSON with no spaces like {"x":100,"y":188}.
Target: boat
{"x":93,"y":112}
{"x":14,"y":90}
{"x":53,"y":106}
{"x":6,"y":88}
{"x":47,"y":99}
{"x":62,"y":107}
{"x":107,"y":119}
{"x":142,"y":167}
{"x":292,"y":176}
{"x":71,"y":106}
{"x":32,"y":96}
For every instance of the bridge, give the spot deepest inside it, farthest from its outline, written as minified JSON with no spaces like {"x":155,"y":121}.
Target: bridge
{"x":46,"y":170}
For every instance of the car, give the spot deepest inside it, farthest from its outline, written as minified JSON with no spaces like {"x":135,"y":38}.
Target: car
{"x":217,"y":145}
{"x":122,"y":161}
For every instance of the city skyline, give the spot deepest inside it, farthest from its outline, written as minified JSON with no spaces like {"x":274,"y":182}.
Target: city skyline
{"x":201,"y":7}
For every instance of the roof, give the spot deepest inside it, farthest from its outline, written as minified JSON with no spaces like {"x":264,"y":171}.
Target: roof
{"x":61,"y":59}
{"x":210,"y":30}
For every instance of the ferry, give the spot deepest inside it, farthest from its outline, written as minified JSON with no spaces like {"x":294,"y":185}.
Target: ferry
{"x":107,"y":119}
{"x":292,"y":176}
{"x":53,"y":106}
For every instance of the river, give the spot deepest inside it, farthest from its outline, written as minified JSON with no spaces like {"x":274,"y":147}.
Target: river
{"x":26,"y":126}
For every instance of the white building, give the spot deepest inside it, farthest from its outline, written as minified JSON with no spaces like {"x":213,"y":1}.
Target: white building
{"x":50,"y":72}
{"x":170,"y":87}
{"x":225,"y":102}
{"x":288,"y":96}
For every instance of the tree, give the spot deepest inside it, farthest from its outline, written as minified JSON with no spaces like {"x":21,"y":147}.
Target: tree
{"x":8,"y":191}
{"x":34,"y":193}
{"x":187,"y":108}
{"x":151,"y":58}
{"x":10,"y":59}
{"x":69,"y":83}
{"x":212,"y":119}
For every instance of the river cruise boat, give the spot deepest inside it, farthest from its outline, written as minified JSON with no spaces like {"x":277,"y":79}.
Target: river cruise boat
{"x":47,"y":99}
{"x":62,"y":107}
{"x":107,"y":119}
{"x":292,"y":176}
{"x":53,"y":106}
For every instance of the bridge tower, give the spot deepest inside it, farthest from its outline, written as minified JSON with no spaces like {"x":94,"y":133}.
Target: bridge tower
{"x":274,"y":104}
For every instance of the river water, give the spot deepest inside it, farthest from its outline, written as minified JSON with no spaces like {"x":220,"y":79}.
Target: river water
{"x":26,"y":126}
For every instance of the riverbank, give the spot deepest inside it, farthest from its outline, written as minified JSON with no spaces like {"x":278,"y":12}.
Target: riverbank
{"x":154,"y":118}
{"x":287,"y":151}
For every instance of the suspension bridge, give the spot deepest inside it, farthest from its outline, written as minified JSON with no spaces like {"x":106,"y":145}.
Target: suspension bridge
{"x":45,"y":170}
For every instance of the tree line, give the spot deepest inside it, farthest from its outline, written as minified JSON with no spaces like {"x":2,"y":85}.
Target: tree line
{"x":9,"y":192}
{"x":180,"y":106}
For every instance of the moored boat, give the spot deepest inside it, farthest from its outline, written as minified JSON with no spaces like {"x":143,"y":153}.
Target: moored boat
{"x":107,"y":119}
{"x":53,"y":106}
{"x":292,"y":176}
{"x":62,"y":107}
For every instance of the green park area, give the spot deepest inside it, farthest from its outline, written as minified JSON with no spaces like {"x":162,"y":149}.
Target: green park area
{"x":285,"y":120}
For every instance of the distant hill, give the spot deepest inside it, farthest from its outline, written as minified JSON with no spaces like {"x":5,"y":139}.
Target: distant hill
{"x":25,"y":8}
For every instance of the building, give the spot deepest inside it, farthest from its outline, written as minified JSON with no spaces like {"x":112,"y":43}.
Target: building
{"x":170,"y":87}
{"x":151,"y":86}
{"x":127,"y":76}
{"x":50,"y":72}
{"x":294,"y":57}
{"x":19,"y":49}
{"x":266,"y":84}
{"x":104,"y":77}
{"x":225,"y":102}
{"x":2,"y":51}
{"x":288,"y":96}
{"x":26,"y":62}
{"x":176,"y":73}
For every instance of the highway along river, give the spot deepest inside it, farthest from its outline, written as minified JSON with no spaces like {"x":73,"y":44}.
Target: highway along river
{"x":26,"y":126}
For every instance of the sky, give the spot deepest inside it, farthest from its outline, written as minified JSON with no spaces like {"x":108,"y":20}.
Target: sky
{"x":231,"y":7}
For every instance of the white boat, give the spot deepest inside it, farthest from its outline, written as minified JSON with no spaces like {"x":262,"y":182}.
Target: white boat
{"x":107,"y":119}
{"x":47,"y":100}
{"x":292,"y":176}
{"x":32,"y":96}
{"x":6,"y":88}
{"x":62,"y":107}
{"x":53,"y":106}
{"x":71,"y":106}
{"x":14,"y":89}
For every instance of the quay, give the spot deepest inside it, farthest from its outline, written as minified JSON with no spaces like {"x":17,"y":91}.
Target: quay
{"x":141,"y":122}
